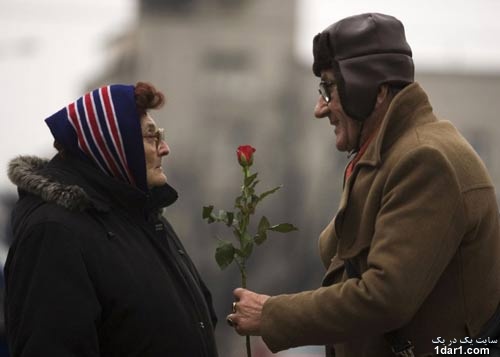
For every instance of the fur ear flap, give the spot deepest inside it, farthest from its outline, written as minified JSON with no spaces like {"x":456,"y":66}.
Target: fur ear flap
{"x":24,"y":172}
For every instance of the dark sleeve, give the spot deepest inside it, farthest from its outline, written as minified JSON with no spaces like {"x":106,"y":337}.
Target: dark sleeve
{"x":51,"y":307}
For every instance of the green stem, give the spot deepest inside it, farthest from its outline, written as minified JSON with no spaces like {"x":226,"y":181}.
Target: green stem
{"x":245,"y":222}
{"x":249,"y":348}
{"x":243,"y":276}
{"x":244,"y":285}
{"x":244,"y":212}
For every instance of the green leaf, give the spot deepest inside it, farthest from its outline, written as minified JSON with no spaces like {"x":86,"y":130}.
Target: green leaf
{"x":267,"y":193}
{"x":263,"y":224}
{"x":246,"y":192}
{"x":222,"y":216}
{"x":230,"y":218}
{"x":252,"y":203}
{"x":250,"y":179}
{"x":207,"y":211}
{"x":252,"y":186}
{"x":246,"y":246}
{"x":226,"y":217}
{"x":224,"y":254}
{"x":237,"y":202}
{"x":261,"y":235}
{"x":242,"y":219}
{"x":260,"y":238}
{"x":283,"y":228}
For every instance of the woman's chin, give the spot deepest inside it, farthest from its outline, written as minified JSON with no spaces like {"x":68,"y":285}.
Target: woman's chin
{"x":159,"y":179}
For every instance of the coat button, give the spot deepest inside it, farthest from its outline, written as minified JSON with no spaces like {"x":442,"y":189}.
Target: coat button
{"x":181,"y":252}
{"x":202,"y":325}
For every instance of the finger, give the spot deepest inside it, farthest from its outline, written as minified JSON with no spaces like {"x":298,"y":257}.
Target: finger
{"x":230,"y":320}
{"x":238,"y":292}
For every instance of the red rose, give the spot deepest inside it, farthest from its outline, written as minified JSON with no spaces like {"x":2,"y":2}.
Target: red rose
{"x":245,"y":155}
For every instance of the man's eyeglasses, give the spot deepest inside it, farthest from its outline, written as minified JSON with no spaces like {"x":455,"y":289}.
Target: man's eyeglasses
{"x":325,"y":89}
{"x":158,"y":136}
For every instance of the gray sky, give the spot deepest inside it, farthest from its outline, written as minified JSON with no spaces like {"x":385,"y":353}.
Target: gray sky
{"x":445,"y":35}
{"x":50,"y":48}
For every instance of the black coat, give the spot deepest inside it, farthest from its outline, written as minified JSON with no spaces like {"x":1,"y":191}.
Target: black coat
{"x":95,"y":270}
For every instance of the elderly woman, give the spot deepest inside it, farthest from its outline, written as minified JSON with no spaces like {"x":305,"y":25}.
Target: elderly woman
{"x":95,"y":270}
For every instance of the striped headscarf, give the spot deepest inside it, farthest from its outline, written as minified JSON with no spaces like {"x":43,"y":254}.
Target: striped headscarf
{"x":104,"y":127}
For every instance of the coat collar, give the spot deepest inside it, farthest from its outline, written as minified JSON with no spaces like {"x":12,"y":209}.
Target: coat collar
{"x":408,"y":109}
{"x":76,"y":185}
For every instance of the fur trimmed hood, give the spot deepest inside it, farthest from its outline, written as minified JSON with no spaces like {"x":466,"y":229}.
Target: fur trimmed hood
{"x":27,"y":173}
{"x":77,"y":186}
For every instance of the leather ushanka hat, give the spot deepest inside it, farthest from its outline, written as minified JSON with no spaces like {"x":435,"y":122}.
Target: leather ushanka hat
{"x":364,"y":51}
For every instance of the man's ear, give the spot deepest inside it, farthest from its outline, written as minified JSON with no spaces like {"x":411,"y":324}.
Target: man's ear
{"x":382,"y":95}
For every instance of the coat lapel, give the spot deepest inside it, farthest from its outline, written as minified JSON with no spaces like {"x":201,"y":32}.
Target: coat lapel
{"x":399,"y":117}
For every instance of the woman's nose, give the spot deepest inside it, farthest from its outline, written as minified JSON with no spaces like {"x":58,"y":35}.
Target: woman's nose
{"x":163,"y":148}
{"x":321,"y":109}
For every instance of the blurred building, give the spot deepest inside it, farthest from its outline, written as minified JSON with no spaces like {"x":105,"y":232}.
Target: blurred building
{"x":471,"y":102}
{"x":231,"y":78}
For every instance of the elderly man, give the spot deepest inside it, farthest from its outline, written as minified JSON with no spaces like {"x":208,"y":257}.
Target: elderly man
{"x":413,"y":253}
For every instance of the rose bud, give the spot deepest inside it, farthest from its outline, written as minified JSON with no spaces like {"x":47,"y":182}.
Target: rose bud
{"x":245,"y":155}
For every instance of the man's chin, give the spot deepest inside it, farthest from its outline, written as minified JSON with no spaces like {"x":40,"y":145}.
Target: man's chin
{"x":341,"y":147}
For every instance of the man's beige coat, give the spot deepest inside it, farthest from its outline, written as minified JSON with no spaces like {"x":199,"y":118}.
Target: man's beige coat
{"x":419,"y":220}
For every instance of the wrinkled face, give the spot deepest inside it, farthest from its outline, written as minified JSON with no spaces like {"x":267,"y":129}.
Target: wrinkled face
{"x":346,"y":128}
{"x":155,"y":148}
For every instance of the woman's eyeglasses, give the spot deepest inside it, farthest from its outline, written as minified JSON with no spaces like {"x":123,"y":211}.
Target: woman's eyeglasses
{"x":158,"y":136}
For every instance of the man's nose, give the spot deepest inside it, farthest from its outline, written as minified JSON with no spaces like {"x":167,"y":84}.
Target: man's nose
{"x":163,"y":148}
{"x":321,"y":109}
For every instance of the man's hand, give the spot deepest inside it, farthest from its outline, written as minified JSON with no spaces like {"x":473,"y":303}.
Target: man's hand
{"x":247,"y":312}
